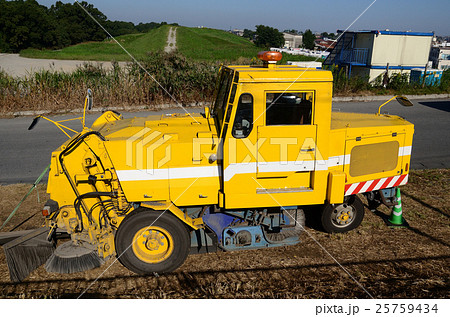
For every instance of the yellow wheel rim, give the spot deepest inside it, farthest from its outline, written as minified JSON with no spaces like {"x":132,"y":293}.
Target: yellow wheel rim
{"x":152,"y":244}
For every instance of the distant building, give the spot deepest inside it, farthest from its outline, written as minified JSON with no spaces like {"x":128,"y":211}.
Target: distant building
{"x":292,"y":41}
{"x":237,"y":32}
{"x":319,"y":55}
{"x":369,"y":53}
{"x":308,"y":64}
{"x":440,"y":57}
{"x":441,"y":41}
{"x":324,"y":44}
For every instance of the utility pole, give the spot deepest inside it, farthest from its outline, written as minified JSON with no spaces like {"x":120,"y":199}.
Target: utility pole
{"x":424,"y":75}
{"x":386,"y":76}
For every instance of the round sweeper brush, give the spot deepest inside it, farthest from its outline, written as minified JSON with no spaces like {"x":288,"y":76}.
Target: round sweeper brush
{"x":72,"y":258}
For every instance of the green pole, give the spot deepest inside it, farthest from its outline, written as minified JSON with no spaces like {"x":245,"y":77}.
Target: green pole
{"x":38,"y":180}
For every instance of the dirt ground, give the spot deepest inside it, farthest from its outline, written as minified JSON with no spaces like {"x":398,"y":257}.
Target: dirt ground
{"x":388,"y":263}
{"x":18,"y":66}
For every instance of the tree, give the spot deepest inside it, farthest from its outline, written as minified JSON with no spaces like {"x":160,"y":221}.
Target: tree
{"x":293,"y":31}
{"x":248,"y":34}
{"x":25,"y":24}
{"x":267,"y":36}
{"x":308,"y":39}
{"x":145,"y":27}
{"x":74,"y":25}
{"x":116,"y":28}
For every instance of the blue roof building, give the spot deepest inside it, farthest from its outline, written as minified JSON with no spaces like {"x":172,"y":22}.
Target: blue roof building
{"x":369,"y":53}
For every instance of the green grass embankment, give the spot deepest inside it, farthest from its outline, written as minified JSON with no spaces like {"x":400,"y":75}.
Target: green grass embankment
{"x":201,"y":44}
{"x":137,"y":44}
{"x":213,"y":45}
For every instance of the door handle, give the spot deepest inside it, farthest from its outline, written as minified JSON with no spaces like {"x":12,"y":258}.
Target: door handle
{"x":307,"y":150}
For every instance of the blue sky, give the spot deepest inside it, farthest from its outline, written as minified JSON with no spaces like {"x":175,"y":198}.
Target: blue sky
{"x":317,"y":15}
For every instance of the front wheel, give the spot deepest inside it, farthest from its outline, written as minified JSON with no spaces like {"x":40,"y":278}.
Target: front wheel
{"x":150,"y":241}
{"x":343,"y":217}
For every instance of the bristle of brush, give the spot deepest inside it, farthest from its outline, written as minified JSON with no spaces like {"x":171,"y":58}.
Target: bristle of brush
{"x":57,"y":264}
{"x":27,"y":253}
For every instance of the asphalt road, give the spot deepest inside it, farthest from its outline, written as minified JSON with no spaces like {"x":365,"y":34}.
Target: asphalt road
{"x":24,"y":154}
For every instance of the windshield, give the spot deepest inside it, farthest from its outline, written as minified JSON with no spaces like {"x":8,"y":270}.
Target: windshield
{"x":222,"y":93}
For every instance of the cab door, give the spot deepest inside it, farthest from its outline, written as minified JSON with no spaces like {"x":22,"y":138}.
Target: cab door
{"x":287,"y":143}
{"x":270,"y":152}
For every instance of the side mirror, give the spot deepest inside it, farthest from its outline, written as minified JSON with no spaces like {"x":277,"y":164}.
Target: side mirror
{"x":89,"y":98}
{"x":401,"y":99}
{"x":404,"y":101}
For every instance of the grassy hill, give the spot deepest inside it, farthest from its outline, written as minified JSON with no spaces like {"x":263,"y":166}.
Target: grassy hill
{"x":194,"y":43}
{"x":217,"y":45}
{"x":136,"y":44}
{"x":211,"y":44}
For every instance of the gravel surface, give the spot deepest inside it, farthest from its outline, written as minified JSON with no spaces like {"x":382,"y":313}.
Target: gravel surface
{"x":18,"y":66}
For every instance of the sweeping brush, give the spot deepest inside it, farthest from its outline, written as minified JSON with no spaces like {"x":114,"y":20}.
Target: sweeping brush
{"x":72,"y":258}
{"x":27,"y":253}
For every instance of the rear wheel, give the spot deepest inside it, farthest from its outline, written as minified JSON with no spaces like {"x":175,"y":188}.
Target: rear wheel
{"x":150,"y":241}
{"x":343,"y":217}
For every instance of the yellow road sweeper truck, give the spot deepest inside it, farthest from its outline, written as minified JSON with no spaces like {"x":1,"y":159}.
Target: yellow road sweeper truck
{"x":152,"y":190}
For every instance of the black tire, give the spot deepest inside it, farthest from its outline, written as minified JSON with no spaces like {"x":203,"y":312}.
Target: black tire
{"x":343,"y":217}
{"x":136,"y":229}
{"x":294,"y":214}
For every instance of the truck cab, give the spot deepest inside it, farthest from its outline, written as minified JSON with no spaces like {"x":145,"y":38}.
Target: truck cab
{"x":273,"y":123}
{"x":282,"y":145}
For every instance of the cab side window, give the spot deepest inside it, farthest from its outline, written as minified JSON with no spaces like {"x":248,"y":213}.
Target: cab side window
{"x":243,"y":121}
{"x":289,"y":108}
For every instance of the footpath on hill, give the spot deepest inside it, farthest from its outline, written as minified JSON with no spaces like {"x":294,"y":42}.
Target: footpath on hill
{"x":171,"y":40}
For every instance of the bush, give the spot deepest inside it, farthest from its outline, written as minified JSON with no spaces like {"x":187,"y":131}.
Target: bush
{"x":398,"y":83}
{"x":186,"y":80}
{"x":445,"y":80}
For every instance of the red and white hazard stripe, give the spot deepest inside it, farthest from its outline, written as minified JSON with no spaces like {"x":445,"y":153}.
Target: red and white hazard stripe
{"x":368,"y":186}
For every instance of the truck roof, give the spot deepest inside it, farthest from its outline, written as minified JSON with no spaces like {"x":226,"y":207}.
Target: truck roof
{"x":280,"y":73}
{"x":340,"y":120}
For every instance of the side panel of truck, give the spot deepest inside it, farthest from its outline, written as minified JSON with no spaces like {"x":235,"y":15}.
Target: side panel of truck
{"x":376,"y":159}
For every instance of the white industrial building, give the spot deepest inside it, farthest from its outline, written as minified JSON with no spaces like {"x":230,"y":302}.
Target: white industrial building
{"x":292,"y":40}
{"x":440,"y":57}
{"x":369,"y":53}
